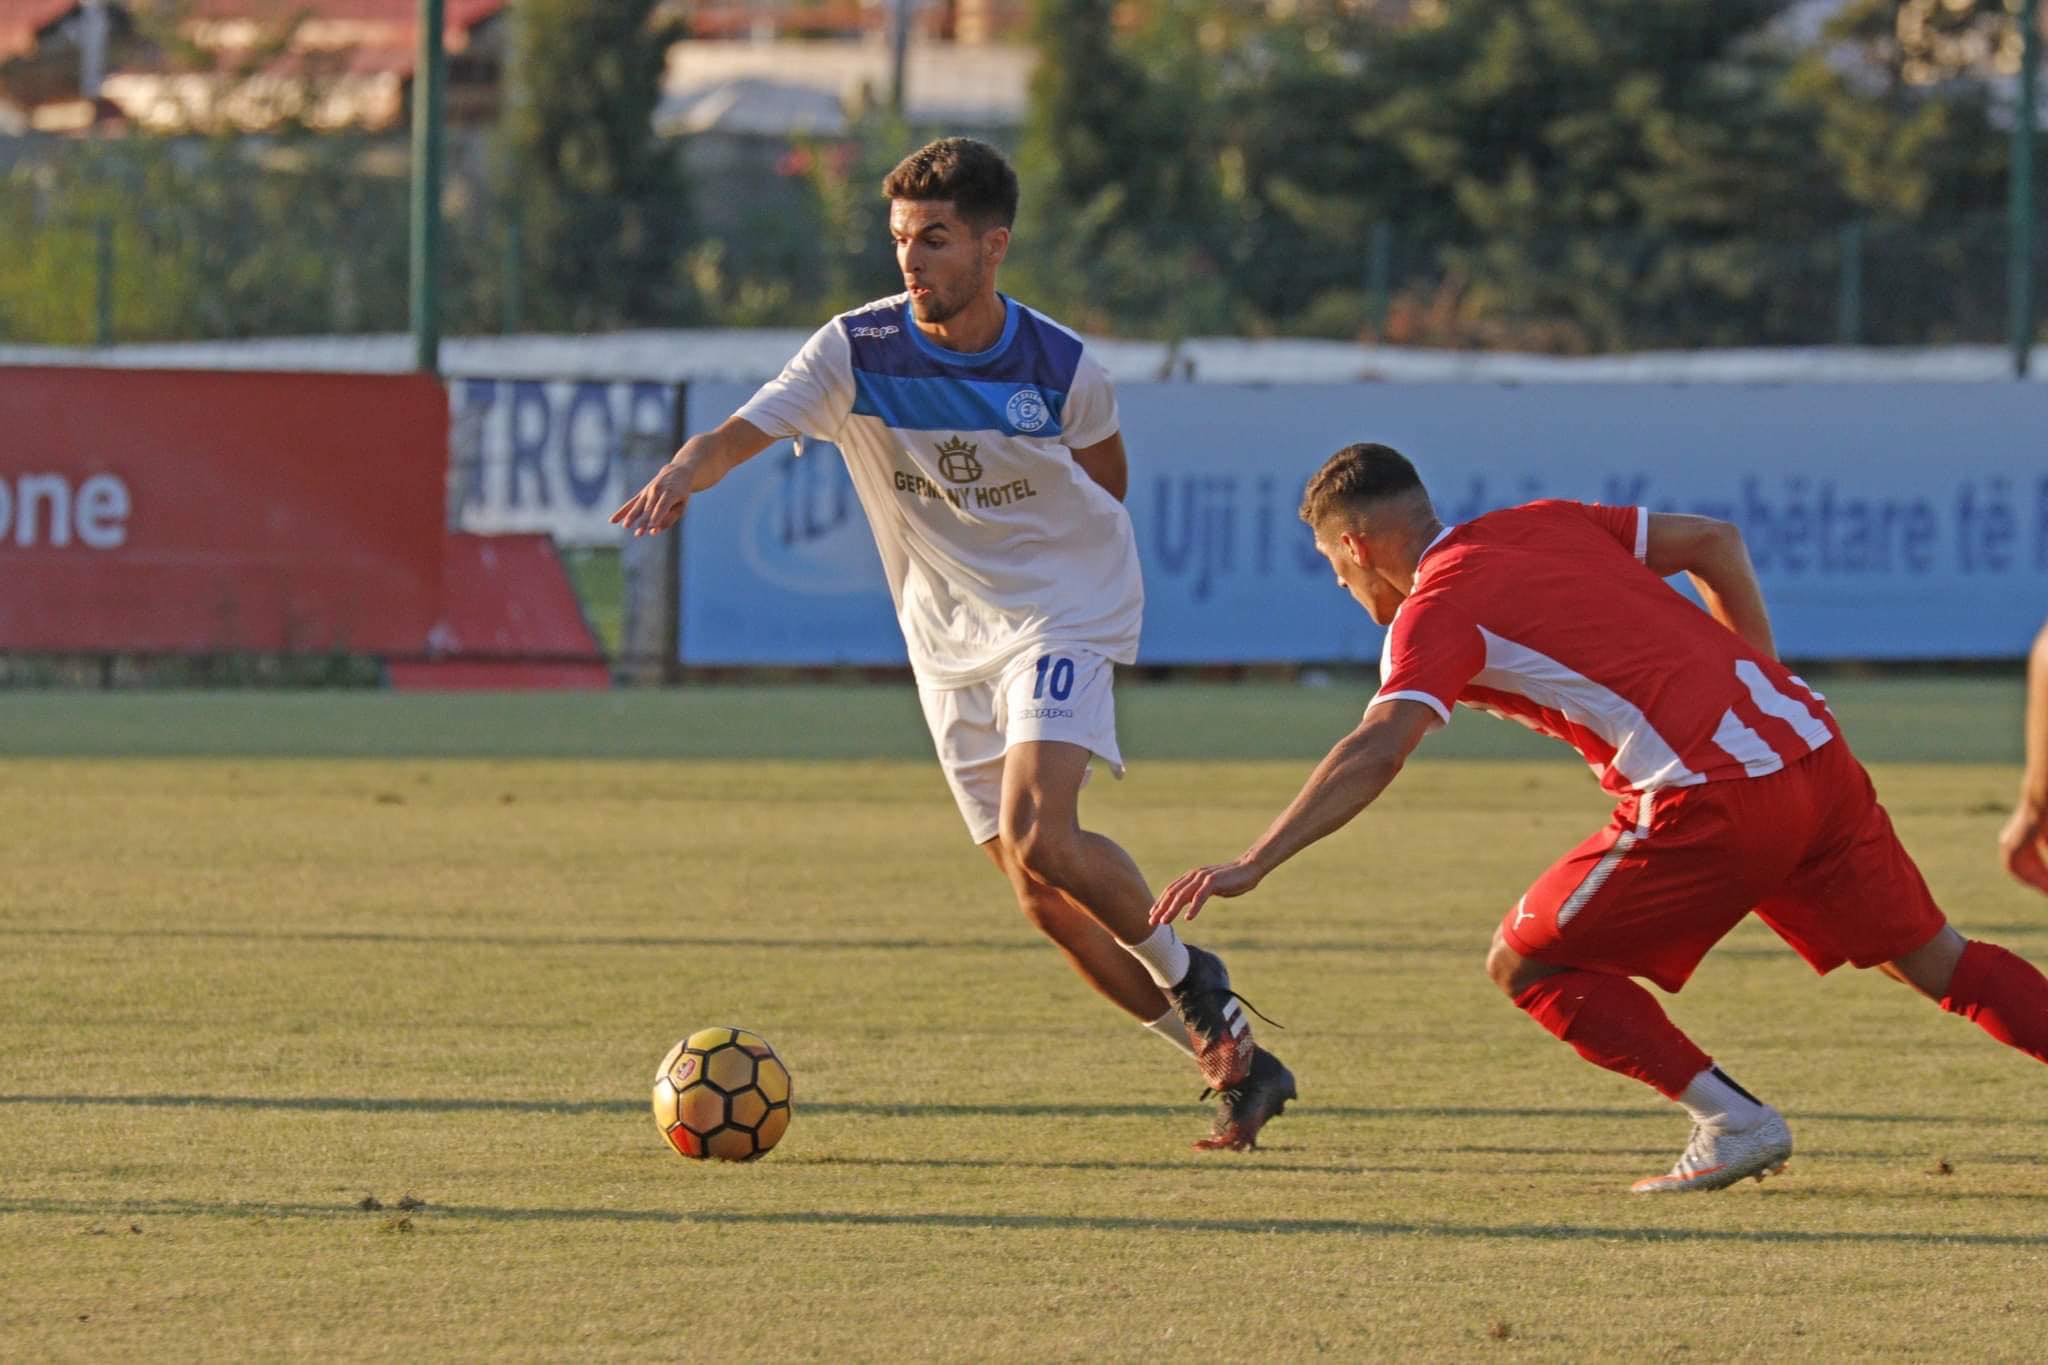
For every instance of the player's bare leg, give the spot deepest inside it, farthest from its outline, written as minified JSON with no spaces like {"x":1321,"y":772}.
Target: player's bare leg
{"x":1040,"y":831}
{"x":1091,"y":950}
{"x":1614,"y":1023}
{"x":1997,"y":990}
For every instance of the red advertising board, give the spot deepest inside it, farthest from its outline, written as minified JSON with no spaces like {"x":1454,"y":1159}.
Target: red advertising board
{"x":187,"y":510}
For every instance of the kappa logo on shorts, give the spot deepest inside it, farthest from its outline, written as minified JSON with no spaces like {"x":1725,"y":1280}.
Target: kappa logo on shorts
{"x":1026,"y":410}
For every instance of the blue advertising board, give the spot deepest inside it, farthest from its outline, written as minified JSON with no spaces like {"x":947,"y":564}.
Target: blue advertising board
{"x":1885,"y":521}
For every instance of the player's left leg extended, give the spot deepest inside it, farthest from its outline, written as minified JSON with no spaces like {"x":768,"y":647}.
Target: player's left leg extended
{"x":1041,"y":832}
{"x":1996,"y":989}
{"x":1091,"y":950}
{"x":968,"y":727}
{"x":1860,"y":899}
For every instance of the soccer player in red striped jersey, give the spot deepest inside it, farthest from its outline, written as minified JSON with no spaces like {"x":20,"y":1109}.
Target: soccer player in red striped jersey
{"x":1735,"y":790}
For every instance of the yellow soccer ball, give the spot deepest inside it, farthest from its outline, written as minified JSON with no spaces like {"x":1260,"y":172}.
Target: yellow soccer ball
{"x":722,"y":1094}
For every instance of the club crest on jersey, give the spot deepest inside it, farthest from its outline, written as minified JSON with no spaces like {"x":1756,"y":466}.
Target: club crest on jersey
{"x":956,"y":459}
{"x":1026,"y":410}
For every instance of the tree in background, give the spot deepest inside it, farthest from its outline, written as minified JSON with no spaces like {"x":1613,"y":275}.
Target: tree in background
{"x":1552,"y":174}
{"x":603,"y":214}
{"x":1600,"y":173}
{"x":217,"y":232}
{"x":1302,"y":192}
{"x":1120,"y":215}
{"x":1904,"y":110}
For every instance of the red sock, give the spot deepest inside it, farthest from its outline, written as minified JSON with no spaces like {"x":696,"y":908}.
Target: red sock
{"x":1617,"y":1024}
{"x":2001,"y":993}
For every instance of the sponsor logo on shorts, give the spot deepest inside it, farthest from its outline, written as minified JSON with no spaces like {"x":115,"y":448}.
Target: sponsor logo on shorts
{"x":1048,"y":713}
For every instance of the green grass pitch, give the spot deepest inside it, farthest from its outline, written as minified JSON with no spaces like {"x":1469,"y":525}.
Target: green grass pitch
{"x":265,"y":957}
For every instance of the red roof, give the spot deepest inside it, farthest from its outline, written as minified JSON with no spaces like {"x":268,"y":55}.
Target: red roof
{"x":21,"y":20}
{"x":458,"y":14}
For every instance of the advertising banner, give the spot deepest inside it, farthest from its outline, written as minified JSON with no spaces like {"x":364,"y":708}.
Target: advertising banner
{"x":189,"y":510}
{"x":1886,"y":521}
{"x":549,"y":455}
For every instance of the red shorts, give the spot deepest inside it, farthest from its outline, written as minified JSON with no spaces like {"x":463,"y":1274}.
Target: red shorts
{"x":1808,"y":848}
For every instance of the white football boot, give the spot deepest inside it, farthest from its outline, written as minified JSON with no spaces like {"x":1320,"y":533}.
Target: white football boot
{"x":1714,"y":1160}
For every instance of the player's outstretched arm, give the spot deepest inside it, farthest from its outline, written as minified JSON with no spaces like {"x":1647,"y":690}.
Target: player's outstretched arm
{"x":1350,"y":778}
{"x":704,"y":460}
{"x":1711,"y":553}
{"x":2024,"y":841}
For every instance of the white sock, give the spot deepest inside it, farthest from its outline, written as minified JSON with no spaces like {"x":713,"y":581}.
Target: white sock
{"x":1169,"y":1027}
{"x":1720,"y":1103}
{"x":1163,"y":954}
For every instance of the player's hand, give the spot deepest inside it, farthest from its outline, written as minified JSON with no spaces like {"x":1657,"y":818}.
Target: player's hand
{"x":1191,"y":890}
{"x":659,"y":505}
{"x":2024,"y":842}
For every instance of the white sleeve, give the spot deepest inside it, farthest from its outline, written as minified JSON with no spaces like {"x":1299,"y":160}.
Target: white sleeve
{"x":1090,"y":413}
{"x":813,"y":394}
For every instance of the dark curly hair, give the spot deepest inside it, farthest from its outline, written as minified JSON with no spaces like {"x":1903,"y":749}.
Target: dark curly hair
{"x":972,"y":175}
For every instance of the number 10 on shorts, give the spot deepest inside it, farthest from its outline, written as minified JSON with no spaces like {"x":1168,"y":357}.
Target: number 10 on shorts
{"x":1055,"y":675}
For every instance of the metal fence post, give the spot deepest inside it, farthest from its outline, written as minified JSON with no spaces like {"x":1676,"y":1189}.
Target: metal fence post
{"x":1379,"y":276}
{"x":426,"y":191}
{"x":103,"y":281}
{"x":2020,"y":263}
{"x":1849,"y":296}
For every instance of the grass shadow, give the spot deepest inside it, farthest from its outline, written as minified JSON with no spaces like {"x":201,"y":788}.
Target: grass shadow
{"x":1036,"y":1222}
{"x":456,"y":1104}
{"x":1319,"y":947}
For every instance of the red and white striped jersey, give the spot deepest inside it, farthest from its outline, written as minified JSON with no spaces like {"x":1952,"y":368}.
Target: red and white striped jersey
{"x":1546,"y":614}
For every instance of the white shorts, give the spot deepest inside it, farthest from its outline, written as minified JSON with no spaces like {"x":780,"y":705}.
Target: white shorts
{"x":1061,"y":695}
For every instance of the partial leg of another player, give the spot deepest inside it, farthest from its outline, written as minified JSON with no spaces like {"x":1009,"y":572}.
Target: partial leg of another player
{"x":1040,"y":832}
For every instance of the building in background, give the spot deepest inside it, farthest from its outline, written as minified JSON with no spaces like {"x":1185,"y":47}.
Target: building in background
{"x":206,"y":65}
{"x":210,"y":65}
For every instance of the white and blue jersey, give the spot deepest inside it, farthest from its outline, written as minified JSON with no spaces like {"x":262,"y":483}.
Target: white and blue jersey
{"x":993,"y":539}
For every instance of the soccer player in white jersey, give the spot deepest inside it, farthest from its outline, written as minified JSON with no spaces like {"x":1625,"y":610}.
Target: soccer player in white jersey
{"x":1735,"y":790}
{"x":982,"y":440}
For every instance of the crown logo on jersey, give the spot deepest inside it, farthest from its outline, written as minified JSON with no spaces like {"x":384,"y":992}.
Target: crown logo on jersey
{"x":957,"y":462}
